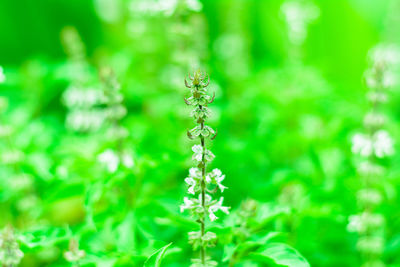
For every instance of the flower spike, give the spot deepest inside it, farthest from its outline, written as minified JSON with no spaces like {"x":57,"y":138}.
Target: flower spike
{"x":202,"y":185}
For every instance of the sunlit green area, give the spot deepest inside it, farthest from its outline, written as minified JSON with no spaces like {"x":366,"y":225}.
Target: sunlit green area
{"x":94,"y":149}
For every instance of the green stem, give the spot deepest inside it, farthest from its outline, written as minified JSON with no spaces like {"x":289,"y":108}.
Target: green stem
{"x":203,"y":196}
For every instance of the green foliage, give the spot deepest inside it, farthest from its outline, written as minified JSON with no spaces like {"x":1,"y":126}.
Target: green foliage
{"x":94,"y":150}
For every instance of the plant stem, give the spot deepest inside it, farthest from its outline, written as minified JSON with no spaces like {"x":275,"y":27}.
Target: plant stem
{"x":203,"y":196}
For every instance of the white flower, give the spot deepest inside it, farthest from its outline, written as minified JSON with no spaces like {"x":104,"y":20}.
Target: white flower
{"x":192,"y":185}
{"x":383,"y":144}
{"x":10,"y":253}
{"x":364,"y":221}
{"x":127,"y":160}
{"x":187,"y":204}
{"x":369,"y":169}
{"x":194,"y":5}
{"x":110,"y":159}
{"x":376,"y":96}
{"x":298,"y":16}
{"x":380,"y":144}
{"x":198,"y":152}
{"x":216,"y":177}
{"x":219,"y":179}
{"x":216,"y":207}
{"x":195,"y":173}
{"x":2,"y":75}
{"x":74,"y":254}
{"x":385,"y":54}
{"x":373,"y":119}
{"x":369,"y":196}
{"x":362,"y":145}
{"x":192,"y":180}
{"x":355,"y":224}
{"x":85,"y":120}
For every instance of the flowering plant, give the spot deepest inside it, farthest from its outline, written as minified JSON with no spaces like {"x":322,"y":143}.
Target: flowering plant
{"x":202,"y":184}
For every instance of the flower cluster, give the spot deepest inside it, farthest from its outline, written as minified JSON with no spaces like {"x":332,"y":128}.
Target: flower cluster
{"x":375,"y":143}
{"x":165,"y":7}
{"x":81,"y":97}
{"x":202,"y":184}
{"x":114,"y":111}
{"x":10,"y":253}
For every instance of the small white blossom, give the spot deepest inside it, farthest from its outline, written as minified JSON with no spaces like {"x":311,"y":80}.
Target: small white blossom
{"x":216,"y":177}
{"x":298,"y":15}
{"x":377,"y":97}
{"x":362,"y":145}
{"x":187,"y":204}
{"x":2,"y":75}
{"x":385,"y":54}
{"x":355,"y":224}
{"x":380,"y":144}
{"x":192,"y":185}
{"x":195,"y":173}
{"x":10,"y":253}
{"x":192,"y":180}
{"x":85,"y":119}
{"x":82,"y":97}
{"x":74,"y":254}
{"x":110,"y":159}
{"x":198,"y":152}
{"x":216,"y":207}
{"x":368,"y":197}
{"x":127,"y":160}
{"x":360,"y":223}
{"x":383,"y":144}
{"x":367,"y":168}
{"x":374,"y":120}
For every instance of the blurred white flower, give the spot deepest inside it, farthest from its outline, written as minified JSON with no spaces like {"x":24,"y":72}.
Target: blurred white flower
{"x":82,"y":97}
{"x":377,"y":97}
{"x":298,"y":14}
{"x":385,"y":54}
{"x":371,"y":245}
{"x":381,"y":144}
{"x":74,"y":254}
{"x":360,"y":223}
{"x":2,"y":75}
{"x":110,"y":159}
{"x":216,"y":207}
{"x":85,"y":119}
{"x":127,"y":160}
{"x":369,"y":169}
{"x":10,"y":253}
{"x":192,"y":185}
{"x":362,"y":145}
{"x":194,"y":5}
{"x":374,"y":120}
{"x":188,"y":204}
{"x":108,"y":10}
{"x":166,"y":7}
{"x":369,"y":196}
{"x":198,"y":152}
{"x":216,"y":177}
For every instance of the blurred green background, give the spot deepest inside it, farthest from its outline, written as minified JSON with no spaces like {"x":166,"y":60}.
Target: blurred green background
{"x":285,"y":110}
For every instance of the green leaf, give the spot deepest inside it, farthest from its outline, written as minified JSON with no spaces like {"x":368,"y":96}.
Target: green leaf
{"x":280,"y":254}
{"x":160,"y":255}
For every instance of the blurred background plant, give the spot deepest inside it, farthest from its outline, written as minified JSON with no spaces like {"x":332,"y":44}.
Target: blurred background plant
{"x":93,"y":147}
